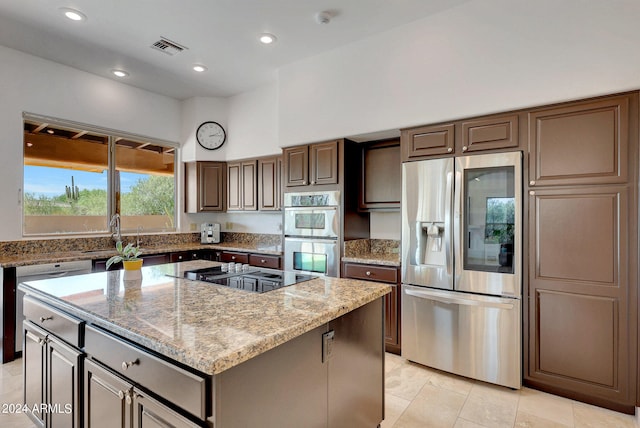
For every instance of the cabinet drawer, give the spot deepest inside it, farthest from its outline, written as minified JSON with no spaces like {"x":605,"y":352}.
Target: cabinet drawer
{"x":264,"y":261}
{"x":227,"y":256}
{"x":63,"y":325}
{"x":184,"y":389}
{"x":370,"y":272}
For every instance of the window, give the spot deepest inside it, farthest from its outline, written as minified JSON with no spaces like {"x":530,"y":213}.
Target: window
{"x":77,"y":177}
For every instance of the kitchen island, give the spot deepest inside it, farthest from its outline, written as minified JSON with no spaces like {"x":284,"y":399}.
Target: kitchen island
{"x":195,"y":354}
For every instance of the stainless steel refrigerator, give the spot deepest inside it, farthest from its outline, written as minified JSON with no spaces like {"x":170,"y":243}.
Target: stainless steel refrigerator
{"x":462,"y":265}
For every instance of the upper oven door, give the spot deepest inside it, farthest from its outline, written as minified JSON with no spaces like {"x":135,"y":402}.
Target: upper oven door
{"x":311,"y":222}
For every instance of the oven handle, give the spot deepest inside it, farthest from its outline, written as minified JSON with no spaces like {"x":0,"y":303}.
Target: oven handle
{"x":322,"y":240}
{"x":310,"y":208}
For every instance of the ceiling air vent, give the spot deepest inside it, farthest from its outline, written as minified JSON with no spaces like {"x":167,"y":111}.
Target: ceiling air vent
{"x":167,"y":46}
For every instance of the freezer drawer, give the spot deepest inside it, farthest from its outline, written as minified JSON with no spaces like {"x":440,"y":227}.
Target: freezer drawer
{"x":469,"y":335}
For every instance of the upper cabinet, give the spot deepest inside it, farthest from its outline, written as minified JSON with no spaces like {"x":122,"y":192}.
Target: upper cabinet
{"x":270,"y":183}
{"x":582,"y":143}
{"x":381,"y":181}
{"x":424,"y":141}
{"x":205,"y":185}
{"x":460,"y":137}
{"x":312,"y":164}
{"x":241,"y":188}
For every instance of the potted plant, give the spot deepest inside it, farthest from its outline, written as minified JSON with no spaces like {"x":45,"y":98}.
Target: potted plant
{"x":129,"y":255}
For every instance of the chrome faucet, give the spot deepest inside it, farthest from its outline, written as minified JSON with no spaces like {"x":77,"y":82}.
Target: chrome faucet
{"x":114,"y":224}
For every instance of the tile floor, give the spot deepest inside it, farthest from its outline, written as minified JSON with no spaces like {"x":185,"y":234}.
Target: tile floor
{"x":419,"y":397}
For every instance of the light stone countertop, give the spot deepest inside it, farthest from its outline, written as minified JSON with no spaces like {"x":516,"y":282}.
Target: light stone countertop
{"x":62,"y":256}
{"x":204,"y":326}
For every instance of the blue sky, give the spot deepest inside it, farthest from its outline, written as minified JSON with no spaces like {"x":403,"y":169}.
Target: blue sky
{"x":52,"y":181}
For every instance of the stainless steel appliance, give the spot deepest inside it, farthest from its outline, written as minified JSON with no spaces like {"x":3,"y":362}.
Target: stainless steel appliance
{"x":462,"y":265}
{"x":248,"y":278}
{"x":43,"y":271}
{"x":210,"y":233}
{"x":312,"y":232}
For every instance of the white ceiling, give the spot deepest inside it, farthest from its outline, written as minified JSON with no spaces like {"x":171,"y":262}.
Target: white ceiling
{"x":221,"y":34}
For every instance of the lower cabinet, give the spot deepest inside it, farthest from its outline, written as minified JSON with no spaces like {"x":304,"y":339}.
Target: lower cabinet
{"x":111,"y":401}
{"x":51,"y":378}
{"x":390,"y":275}
{"x":261,"y":260}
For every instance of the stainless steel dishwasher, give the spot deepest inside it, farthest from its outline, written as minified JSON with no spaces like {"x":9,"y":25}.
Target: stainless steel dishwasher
{"x":43,"y":271}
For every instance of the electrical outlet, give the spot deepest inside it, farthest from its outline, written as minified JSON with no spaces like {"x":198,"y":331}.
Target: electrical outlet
{"x":193,"y":227}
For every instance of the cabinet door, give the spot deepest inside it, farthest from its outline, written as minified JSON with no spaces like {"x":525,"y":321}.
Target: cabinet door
{"x":262,"y":260}
{"x":63,"y":384}
{"x":323,"y":161}
{"x":149,"y":413}
{"x":381,"y":182}
{"x":418,"y":143}
{"x":234,"y":186}
{"x":392,"y":321}
{"x":105,"y":398}
{"x":269,"y":191}
{"x":211,"y":185}
{"x":579,"y":294}
{"x":249,"y":191}
{"x":229,"y":256}
{"x":296,"y":166}
{"x":583,"y":143}
{"x":33,"y":371}
{"x":490,"y":133}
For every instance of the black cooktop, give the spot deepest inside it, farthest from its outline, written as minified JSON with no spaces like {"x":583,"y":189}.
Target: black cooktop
{"x":256,"y":280}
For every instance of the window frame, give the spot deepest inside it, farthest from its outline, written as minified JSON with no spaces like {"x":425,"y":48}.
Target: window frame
{"x":113,"y":135}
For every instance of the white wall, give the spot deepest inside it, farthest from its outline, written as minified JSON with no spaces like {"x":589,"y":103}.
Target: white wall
{"x":31,"y":84}
{"x":480,"y":57}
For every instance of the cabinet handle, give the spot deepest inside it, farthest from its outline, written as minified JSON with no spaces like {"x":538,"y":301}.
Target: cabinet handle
{"x":313,"y":182}
{"x":121,"y":394}
{"x":127,"y":364}
{"x":128,"y":398}
{"x":41,"y":342}
{"x":532,"y":183}
{"x":263,"y":261}
{"x":43,"y":319}
{"x":449,"y":150}
{"x":367,"y":273}
{"x":464,"y":148}
{"x":304,"y":181}
{"x":531,"y":192}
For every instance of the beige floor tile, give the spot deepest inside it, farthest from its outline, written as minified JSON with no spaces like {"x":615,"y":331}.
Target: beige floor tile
{"x":14,"y":367}
{"x":526,"y":420}
{"x":406,"y":380}
{"x":392,"y":361}
{"x":463,"y":423}
{"x":547,"y":406}
{"x":459,"y":384}
{"x":587,"y":416}
{"x":9,"y":384}
{"x":393,"y":408}
{"x":433,"y":407}
{"x":491,"y":406}
{"x":15,"y":421}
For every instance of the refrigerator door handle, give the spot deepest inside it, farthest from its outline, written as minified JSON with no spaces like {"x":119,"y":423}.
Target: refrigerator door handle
{"x":456,"y":300}
{"x":458,"y":239}
{"x":448,"y":231}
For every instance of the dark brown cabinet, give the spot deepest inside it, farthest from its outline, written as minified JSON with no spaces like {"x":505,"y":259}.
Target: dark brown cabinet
{"x":51,"y":378}
{"x":313,"y":164}
{"x":111,"y":401}
{"x":580,"y":143}
{"x":497,"y":132}
{"x":232,"y":256}
{"x":205,"y":186}
{"x":582,"y":237}
{"x":149,"y":260}
{"x":242,"y":186}
{"x":184,"y":256}
{"x":261,"y":260}
{"x":270,"y":183}
{"x":425,"y":141}
{"x":390,"y":275}
{"x":381,"y":181}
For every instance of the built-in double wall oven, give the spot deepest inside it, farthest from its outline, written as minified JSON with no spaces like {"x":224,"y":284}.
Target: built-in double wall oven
{"x":312,"y":232}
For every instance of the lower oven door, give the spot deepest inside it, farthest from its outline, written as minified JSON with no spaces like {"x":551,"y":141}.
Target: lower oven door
{"x":312,"y":255}
{"x":467,"y":334}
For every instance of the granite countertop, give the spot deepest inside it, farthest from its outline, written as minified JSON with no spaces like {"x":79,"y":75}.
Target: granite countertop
{"x":375,"y":259}
{"x":208,"y":327}
{"x":7,"y":261}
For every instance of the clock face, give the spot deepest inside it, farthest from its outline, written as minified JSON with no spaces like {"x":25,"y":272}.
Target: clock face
{"x":211,"y":135}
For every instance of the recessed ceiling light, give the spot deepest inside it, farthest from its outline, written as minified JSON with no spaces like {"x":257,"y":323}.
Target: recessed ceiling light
{"x":267,"y":38}
{"x":72,"y":14}
{"x":120,"y":73}
{"x":199,"y":68}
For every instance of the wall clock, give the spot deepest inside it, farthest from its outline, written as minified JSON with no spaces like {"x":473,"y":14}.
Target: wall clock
{"x":211,"y":135}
